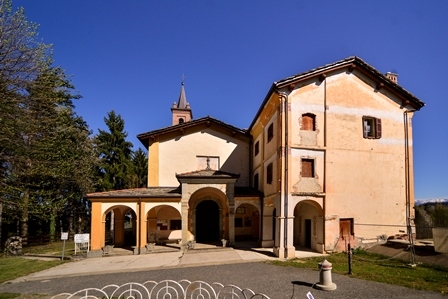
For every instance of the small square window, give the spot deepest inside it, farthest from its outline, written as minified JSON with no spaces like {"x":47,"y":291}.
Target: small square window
{"x":307,"y":168}
{"x":270,"y":132}
{"x":308,"y":122}
{"x":269,"y":174}
{"x":175,"y":224}
{"x":238,"y":222}
{"x":257,"y":148}
{"x":371,"y":127}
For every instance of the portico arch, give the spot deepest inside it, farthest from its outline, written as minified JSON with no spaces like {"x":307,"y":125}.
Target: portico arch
{"x":119,"y":226}
{"x":308,"y":225}
{"x":161,"y":221}
{"x":247,"y":222}
{"x":208,"y":214}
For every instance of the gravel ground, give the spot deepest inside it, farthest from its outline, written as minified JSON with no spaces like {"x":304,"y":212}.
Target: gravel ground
{"x":275,"y":281}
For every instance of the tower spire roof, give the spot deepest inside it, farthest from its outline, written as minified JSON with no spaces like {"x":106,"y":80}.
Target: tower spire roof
{"x":181,"y":112}
{"x":182,"y":102}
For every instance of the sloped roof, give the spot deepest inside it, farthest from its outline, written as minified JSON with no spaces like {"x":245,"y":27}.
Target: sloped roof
{"x":207,"y":173}
{"x":351,"y":63}
{"x":162,"y":192}
{"x":139,"y":192}
{"x":208,"y":121}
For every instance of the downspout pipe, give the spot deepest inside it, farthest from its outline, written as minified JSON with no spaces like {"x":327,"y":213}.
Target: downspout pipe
{"x":286,"y":191}
{"x":284,"y":146}
{"x":408,"y":184}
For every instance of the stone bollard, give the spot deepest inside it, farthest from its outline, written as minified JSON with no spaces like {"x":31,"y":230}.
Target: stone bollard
{"x":325,"y":283}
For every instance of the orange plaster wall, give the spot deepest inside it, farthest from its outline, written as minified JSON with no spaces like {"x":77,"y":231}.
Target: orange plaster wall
{"x":97,"y":227}
{"x":153,"y":165}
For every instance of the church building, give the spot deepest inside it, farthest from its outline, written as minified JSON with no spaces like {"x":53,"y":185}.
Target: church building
{"x":326,"y":161}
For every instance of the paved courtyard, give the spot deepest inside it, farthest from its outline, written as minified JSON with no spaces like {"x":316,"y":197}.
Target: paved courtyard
{"x":244,"y":268}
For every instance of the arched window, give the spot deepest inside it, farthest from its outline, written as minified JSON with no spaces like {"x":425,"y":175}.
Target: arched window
{"x":308,"y":122}
{"x":181,"y":120}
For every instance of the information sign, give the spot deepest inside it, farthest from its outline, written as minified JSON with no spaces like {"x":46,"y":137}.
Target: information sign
{"x":82,"y":238}
{"x":64,"y":236}
{"x":82,"y":242}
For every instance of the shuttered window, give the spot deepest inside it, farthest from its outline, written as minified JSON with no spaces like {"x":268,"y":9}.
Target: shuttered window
{"x":270,"y":132}
{"x":346,"y":227}
{"x":308,"y":122}
{"x":256,"y":148}
{"x":256,"y":181}
{"x":307,"y":168}
{"x":371,"y":127}
{"x":269,"y":174}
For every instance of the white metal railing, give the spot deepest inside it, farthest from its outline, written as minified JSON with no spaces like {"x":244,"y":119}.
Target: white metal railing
{"x":165,"y":289}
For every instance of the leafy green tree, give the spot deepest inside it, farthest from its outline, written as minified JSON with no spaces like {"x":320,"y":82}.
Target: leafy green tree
{"x":115,"y":168}
{"x":51,"y":168}
{"x":140,"y":162}
{"x":22,"y":57}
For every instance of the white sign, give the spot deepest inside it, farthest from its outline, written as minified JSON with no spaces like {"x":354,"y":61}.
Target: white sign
{"x":82,"y":238}
{"x":64,"y":236}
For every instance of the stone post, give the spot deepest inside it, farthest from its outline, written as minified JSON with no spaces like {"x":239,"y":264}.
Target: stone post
{"x":325,"y":283}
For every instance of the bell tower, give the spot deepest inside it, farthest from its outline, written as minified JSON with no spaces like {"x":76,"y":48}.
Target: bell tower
{"x":181,"y":112}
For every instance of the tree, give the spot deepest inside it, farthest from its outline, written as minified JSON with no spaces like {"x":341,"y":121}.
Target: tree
{"x":50,"y":168}
{"x":115,"y":168}
{"x":22,"y":57}
{"x":140,"y":162}
{"x":63,"y":146}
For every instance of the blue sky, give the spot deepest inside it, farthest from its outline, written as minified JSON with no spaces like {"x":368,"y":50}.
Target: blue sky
{"x":129,"y":56}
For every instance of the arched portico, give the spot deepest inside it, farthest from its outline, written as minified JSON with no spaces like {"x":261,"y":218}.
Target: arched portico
{"x":308,"y":225}
{"x":208,"y":185}
{"x":209,"y":215}
{"x":247,"y":222}
{"x":161,"y":221}
{"x":120,"y":226}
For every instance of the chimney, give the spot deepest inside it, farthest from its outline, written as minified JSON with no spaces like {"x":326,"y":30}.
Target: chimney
{"x":392,"y":77}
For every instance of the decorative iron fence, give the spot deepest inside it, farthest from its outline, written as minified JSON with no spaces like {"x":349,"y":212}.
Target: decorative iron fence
{"x":165,"y":289}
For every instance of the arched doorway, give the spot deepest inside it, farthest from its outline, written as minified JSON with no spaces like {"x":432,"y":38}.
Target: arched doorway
{"x":308,"y":225}
{"x":207,"y":222}
{"x":247,"y":223}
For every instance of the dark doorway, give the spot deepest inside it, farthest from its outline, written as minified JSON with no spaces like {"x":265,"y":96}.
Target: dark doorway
{"x":207,"y":222}
{"x":308,"y":233}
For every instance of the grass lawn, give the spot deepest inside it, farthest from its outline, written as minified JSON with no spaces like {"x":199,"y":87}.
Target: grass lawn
{"x":14,"y":267}
{"x":54,"y":248}
{"x":374,"y":267}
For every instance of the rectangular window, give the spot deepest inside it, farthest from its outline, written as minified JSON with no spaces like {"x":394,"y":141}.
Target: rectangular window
{"x":175,"y":224}
{"x":256,"y":148}
{"x":371,"y":127}
{"x":238,"y":222}
{"x":269,"y":174}
{"x":308,"y":122}
{"x":346,"y":227}
{"x":307,"y":168}
{"x":270,"y":132}
{"x":256,"y":181}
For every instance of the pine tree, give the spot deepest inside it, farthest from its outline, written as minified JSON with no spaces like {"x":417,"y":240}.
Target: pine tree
{"x":140,"y":162}
{"x":115,"y":168}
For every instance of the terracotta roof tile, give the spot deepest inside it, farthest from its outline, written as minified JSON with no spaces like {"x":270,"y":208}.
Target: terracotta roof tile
{"x":140,"y":192}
